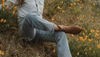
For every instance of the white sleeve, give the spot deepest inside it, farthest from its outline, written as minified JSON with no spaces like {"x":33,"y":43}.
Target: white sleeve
{"x":8,"y":2}
{"x":0,"y":6}
{"x":8,"y":7}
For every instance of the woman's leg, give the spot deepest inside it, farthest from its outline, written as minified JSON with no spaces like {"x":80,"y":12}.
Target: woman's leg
{"x":59,"y":38}
{"x":37,"y":22}
{"x":30,"y":22}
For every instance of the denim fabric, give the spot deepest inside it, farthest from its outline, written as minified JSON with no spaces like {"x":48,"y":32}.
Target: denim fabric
{"x":28,"y":24}
{"x":59,"y":38}
{"x":45,"y":31}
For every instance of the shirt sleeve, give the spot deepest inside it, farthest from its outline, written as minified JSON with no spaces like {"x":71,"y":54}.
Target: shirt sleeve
{"x":8,"y":2}
{"x":0,"y":6}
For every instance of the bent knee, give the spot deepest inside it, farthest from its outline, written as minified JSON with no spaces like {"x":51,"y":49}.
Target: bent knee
{"x":61,"y":33}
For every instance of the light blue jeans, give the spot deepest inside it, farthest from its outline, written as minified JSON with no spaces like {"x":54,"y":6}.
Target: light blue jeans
{"x":45,"y":32}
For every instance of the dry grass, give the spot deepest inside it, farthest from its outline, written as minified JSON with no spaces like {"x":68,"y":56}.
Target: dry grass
{"x":86,"y":44}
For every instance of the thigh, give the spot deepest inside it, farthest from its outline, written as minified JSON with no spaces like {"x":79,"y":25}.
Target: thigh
{"x":48,"y":36}
{"x":45,"y":36}
{"x":37,"y":22}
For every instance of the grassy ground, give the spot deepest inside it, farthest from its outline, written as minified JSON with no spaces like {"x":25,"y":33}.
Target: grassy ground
{"x":81,"y":13}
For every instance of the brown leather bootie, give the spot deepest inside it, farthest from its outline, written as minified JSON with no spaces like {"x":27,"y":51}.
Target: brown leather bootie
{"x":70,"y":29}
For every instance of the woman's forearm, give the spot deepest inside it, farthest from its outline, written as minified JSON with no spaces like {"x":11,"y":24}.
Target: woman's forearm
{"x":7,"y":3}
{"x":5,"y":6}
{"x":0,"y":6}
